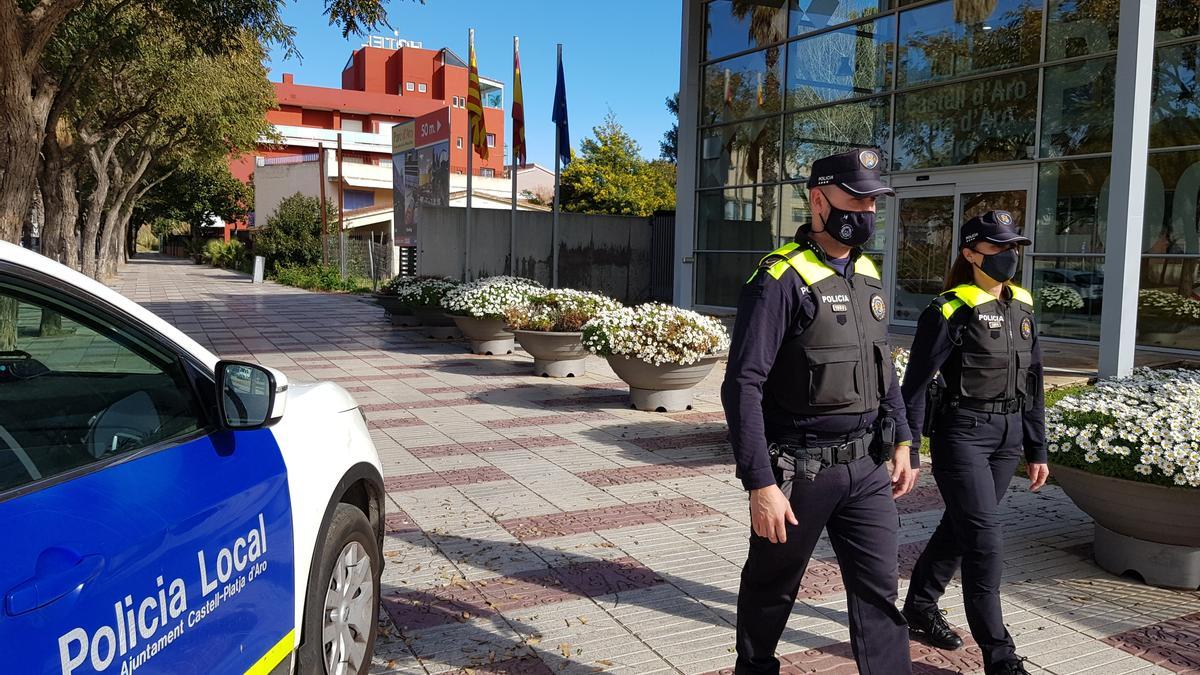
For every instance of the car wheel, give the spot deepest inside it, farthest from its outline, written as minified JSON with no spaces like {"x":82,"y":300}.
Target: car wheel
{"x":342,"y":608}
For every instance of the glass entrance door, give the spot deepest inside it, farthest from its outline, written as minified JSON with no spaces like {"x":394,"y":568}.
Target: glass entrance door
{"x":925,"y":225}
{"x":924,"y":232}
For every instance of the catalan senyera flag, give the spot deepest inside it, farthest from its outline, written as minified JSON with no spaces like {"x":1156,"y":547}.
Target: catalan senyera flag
{"x":475,"y":105}
{"x":518,"y":110}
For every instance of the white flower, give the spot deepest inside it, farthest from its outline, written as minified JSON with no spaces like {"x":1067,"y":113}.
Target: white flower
{"x":655,"y":333}
{"x":1145,"y":422}
{"x":421,"y":291}
{"x":490,"y":297}
{"x":1057,"y":296}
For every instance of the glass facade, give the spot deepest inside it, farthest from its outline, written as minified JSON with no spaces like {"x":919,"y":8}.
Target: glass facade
{"x":943,"y":87}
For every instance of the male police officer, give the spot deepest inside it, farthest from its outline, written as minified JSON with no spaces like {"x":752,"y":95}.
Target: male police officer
{"x":814,"y":408}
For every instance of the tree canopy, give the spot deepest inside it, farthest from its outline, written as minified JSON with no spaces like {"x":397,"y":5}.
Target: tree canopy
{"x":610,"y":176}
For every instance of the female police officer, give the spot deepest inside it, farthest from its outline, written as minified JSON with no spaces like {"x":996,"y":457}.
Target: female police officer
{"x":980,"y":334}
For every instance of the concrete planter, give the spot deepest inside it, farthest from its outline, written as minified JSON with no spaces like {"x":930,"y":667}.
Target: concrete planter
{"x":487,"y":336}
{"x":554,"y":354}
{"x":399,"y":313}
{"x":665,"y":388}
{"x":1144,"y":528}
{"x":438,"y":324}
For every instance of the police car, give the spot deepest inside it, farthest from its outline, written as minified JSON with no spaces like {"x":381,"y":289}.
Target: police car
{"x":163,"y":511}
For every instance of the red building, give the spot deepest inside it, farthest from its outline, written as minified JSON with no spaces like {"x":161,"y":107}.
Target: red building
{"x":380,"y":87}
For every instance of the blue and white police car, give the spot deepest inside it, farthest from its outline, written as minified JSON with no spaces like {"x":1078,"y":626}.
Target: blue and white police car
{"x":163,"y":511}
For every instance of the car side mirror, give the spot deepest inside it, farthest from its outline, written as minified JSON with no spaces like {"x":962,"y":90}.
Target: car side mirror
{"x":249,"y":396}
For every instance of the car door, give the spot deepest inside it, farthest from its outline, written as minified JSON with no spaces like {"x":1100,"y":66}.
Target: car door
{"x":137,"y":537}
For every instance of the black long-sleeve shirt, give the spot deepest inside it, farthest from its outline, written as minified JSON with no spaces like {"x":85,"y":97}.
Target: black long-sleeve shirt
{"x":936,"y":341}
{"x":771,"y":311}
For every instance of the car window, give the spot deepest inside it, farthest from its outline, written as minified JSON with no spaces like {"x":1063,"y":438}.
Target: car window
{"x":77,"y":388}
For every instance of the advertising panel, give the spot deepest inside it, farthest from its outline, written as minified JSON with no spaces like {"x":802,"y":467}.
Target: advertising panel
{"x":420,"y":170}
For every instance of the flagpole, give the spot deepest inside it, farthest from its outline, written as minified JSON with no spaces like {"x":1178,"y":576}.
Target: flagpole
{"x":512,"y":144}
{"x":557,"y":176}
{"x":470,"y":164}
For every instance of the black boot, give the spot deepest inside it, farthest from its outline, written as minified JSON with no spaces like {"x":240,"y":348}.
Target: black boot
{"x":932,"y":628}
{"x":1010,"y":667}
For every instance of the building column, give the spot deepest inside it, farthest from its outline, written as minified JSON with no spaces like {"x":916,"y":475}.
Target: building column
{"x":686,"y":168}
{"x":1127,"y":202}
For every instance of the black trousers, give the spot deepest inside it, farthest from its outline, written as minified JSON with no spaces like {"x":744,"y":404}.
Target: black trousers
{"x":974,"y":457}
{"x":854,"y":503}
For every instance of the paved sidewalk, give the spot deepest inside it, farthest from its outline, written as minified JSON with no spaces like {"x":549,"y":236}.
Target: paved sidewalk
{"x":540,"y":526}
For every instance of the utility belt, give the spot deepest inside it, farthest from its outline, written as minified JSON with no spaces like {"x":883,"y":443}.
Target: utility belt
{"x":792,"y":461}
{"x":938,"y":402}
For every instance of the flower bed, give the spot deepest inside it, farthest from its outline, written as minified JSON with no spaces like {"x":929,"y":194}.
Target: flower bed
{"x":1139,"y":428}
{"x":425,"y":291}
{"x":489,"y":298}
{"x":395,"y":284}
{"x":558,"y":311}
{"x":1059,"y":298}
{"x":655,"y":333}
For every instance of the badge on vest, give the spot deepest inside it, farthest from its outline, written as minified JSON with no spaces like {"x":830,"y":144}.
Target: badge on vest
{"x":878,"y":307}
{"x":1026,"y":327}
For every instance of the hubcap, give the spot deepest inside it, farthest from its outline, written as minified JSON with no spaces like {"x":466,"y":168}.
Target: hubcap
{"x":349,"y":605}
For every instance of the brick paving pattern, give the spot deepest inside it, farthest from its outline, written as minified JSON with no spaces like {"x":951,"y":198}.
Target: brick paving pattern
{"x":541,"y":526}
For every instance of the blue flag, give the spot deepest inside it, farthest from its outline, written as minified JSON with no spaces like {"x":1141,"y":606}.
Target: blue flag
{"x":560,"y":115}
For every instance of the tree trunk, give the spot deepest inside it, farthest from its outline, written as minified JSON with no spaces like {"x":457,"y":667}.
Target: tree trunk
{"x":125,"y":181}
{"x":8,"y":324}
{"x":101,"y":163}
{"x":59,"y":182}
{"x":22,"y":126}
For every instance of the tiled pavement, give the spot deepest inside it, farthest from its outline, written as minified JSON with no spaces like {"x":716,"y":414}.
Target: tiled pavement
{"x":540,"y":526}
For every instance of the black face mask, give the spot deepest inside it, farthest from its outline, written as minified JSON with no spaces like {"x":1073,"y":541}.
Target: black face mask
{"x":1000,"y":266}
{"x":852,"y":228}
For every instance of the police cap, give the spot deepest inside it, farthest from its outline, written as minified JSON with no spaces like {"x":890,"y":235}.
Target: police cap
{"x":856,"y":172}
{"x":998,"y":227}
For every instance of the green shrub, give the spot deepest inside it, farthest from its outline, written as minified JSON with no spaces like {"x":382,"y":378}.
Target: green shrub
{"x":292,"y":237}
{"x":320,"y":278}
{"x":231,"y":254}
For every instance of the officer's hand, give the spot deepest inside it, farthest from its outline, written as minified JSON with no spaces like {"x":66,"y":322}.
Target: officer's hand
{"x":1038,"y":473}
{"x":768,"y":511}
{"x":904,"y":476}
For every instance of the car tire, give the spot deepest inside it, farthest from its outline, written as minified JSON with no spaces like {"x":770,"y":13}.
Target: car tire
{"x":337,"y":616}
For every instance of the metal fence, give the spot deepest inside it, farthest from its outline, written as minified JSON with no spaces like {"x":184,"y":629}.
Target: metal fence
{"x":363,"y":258}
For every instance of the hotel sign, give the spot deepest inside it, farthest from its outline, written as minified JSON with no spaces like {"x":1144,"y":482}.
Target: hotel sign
{"x":390,"y":42}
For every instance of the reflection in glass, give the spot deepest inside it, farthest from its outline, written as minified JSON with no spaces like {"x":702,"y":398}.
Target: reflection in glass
{"x":737,"y":219}
{"x":1177,"y":19}
{"x":1080,"y":27}
{"x":1169,"y":303}
{"x":740,"y":154}
{"x":1175,"y":111}
{"x":1171,"y":223}
{"x":955,"y":38}
{"x":1067,"y":295}
{"x":737,"y":25}
{"x":796,"y":211}
{"x":721,"y":276}
{"x":1072,"y":206}
{"x":813,"y":134}
{"x":810,"y":15}
{"x":1077,"y":107}
{"x":846,"y":63}
{"x":742,"y":87}
{"x":925,"y":229}
{"x":975,"y":122}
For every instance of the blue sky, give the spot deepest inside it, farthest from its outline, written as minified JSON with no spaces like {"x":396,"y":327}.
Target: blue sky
{"x":618,"y":54}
